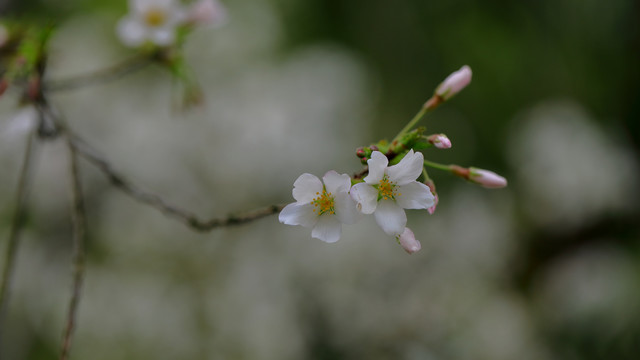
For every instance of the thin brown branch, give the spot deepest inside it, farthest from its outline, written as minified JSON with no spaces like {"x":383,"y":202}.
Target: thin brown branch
{"x":361,"y":174}
{"x":78,"y":221}
{"x":100,"y":76}
{"x":186,"y":217}
{"x":24,"y":182}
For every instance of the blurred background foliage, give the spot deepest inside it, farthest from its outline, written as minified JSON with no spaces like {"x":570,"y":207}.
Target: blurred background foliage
{"x":548,"y":268}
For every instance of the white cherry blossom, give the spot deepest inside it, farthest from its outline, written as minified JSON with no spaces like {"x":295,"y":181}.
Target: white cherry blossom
{"x":323,"y":207}
{"x":154,"y":21}
{"x":388,"y":190}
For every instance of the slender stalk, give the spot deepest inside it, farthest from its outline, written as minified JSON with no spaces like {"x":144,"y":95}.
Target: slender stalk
{"x":78,"y":221}
{"x":437,"y":165}
{"x":428,"y":106}
{"x":411,"y":123}
{"x":113,"y":72}
{"x":425,"y":175}
{"x":24,"y":182}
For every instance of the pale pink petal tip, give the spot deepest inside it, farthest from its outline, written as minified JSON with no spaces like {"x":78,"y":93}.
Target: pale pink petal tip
{"x":487,"y":178}
{"x":440,"y":141}
{"x":432,"y":209}
{"x":454,"y":83}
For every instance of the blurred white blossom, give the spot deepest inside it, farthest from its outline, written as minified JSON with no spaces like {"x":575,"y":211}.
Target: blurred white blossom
{"x":22,"y":122}
{"x":568,"y":169}
{"x":155,"y":21}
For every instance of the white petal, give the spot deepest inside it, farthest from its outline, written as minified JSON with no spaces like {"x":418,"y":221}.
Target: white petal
{"x":390,"y":217}
{"x":298,"y":214}
{"x":377,"y":164}
{"x":164,"y":36}
{"x":335,"y":183}
{"x":415,"y":195}
{"x":328,"y":229}
{"x":366,"y":196}
{"x":22,"y":123}
{"x":306,"y":187}
{"x":131,"y":32}
{"x":346,"y":209}
{"x":408,"y":169}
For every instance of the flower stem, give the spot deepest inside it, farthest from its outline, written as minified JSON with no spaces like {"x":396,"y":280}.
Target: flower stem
{"x":425,"y":175}
{"x":78,"y":220}
{"x":24,"y":183}
{"x":437,"y":165}
{"x":430,"y":105}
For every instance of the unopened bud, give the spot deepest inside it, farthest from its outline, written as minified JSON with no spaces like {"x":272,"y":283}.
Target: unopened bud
{"x":408,"y":241}
{"x":441,"y":141}
{"x":207,"y":12}
{"x":454,"y":83}
{"x":432,"y":187}
{"x":432,"y":209}
{"x":360,"y":152}
{"x":487,"y":178}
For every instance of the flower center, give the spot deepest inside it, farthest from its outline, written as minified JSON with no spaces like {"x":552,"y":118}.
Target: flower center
{"x":155,"y":17}
{"x":387,"y":189}
{"x":324,"y":203}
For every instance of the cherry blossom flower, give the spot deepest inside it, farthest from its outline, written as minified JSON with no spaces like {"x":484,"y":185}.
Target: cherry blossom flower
{"x":388,"y":190}
{"x":154,"y":21}
{"x":454,"y":83}
{"x":408,"y":241}
{"x":323,"y":207}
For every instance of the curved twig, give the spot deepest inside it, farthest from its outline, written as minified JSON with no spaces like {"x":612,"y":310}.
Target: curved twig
{"x":14,"y":232}
{"x":184,"y":216}
{"x":78,"y":221}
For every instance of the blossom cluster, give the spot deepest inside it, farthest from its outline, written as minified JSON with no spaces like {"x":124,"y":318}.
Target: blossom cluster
{"x":385,"y":192}
{"x":158,"y":21}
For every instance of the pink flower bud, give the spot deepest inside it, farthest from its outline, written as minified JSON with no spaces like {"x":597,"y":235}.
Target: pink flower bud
{"x":432,"y":187}
{"x":487,"y":178}
{"x":408,"y":241}
{"x":454,"y":83}
{"x":207,"y":12}
{"x":432,"y":209}
{"x":441,"y":141}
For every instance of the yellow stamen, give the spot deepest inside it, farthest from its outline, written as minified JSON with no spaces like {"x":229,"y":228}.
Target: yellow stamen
{"x":324,"y":203}
{"x":155,"y":17}
{"x":386,"y":189}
